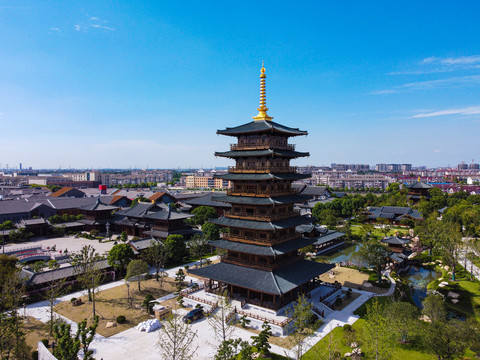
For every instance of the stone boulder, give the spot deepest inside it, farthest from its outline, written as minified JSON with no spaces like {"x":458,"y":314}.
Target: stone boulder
{"x":110,"y":324}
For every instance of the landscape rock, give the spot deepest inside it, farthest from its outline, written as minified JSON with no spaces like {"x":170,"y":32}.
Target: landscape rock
{"x":348,"y":354}
{"x":455,"y":301}
{"x":453,"y":294}
{"x":110,"y":324}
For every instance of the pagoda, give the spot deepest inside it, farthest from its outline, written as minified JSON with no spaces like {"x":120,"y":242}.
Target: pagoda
{"x":262,"y":265}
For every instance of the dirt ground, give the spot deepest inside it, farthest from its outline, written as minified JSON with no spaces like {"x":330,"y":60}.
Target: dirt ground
{"x":351,"y":278}
{"x":35,"y":331}
{"x":113,"y":302}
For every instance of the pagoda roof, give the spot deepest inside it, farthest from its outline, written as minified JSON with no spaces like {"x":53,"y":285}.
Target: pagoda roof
{"x":261,"y":126}
{"x":274,"y":250}
{"x":276,"y":282}
{"x":262,"y":225}
{"x":98,"y":206}
{"x":266,"y":152}
{"x":419,"y":185}
{"x":395,"y":240}
{"x":263,"y":176}
{"x":252,"y":200}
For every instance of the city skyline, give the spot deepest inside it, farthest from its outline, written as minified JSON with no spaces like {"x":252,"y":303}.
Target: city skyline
{"x":95,"y":86}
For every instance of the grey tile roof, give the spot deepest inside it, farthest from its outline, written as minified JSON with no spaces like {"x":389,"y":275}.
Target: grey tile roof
{"x":208,"y":200}
{"x":267,"y":152}
{"x":262,"y":200}
{"x":395,"y":240}
{"x":97,"y":206}
{"x":16,"y":206}
{"x":315,"y":190}
{"x":276,"y":282}
{"x":419,"y":185}
{"x":260,"y":177}
{"x":261,"y":225}
{"x":280,"y":249}
{"x":261,"y":127}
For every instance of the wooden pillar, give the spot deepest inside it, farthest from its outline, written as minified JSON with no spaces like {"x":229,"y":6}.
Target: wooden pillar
{"x":275,"y":301}
{"x":261,"y":299}
{"x":248,"y":294}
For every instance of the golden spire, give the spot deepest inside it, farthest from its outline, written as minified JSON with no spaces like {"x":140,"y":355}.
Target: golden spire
{"x":262,"y":110}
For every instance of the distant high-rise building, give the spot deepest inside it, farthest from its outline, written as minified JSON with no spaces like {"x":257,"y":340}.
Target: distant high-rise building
{"x":474,"y":166}
{"x":462,"y":166}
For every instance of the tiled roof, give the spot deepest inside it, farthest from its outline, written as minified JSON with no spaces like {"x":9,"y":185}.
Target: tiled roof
{"x":395,"y":240}
{"x":208,"y":200}
{"x":262,"y":200}
{"x":156,"y":196}
{"x":261,"y":127}
{"x":267,"y":152}
{"x":280,"y":249}
{"x":67,"y":191}
{"x":267,"y":176}
{"x":261,"y":225}
{"x":276,"y":282}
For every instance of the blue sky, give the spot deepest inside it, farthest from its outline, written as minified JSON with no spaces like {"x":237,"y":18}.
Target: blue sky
{"x":147,"y":83}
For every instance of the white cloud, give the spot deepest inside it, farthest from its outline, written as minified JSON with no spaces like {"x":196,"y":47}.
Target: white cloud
{"x":78,"y":27}
{"x":56,"y":29}
{"x":473,"y":110}
{"x":437,"y":151}
{"x":460,"y":60}
{"x":452,"y":82}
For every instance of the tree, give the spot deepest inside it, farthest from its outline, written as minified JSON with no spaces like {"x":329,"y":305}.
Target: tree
{"x":261,"y":340}
{"x":220,"y":322}
{"x":301,"y":316}
{"x":175,"y":248}
{"x":402,"y":318}
{"x":450,"y":243}
{"x":384,"y":226}
{"x":175,"y":339}
{"x":156,"y":255}
{"x":202,"y":214}
{"x":374,"y":255}
{"x":430,"y":232}
{"x":119,"y":256}
{"x":210,"y":231}
{"x":179,"y":278}
{"x":87,"y":266}
{"x":377,"y":340}
{"x":123,"y":237}
{"x":54,"y":289}
{"x":135,"y":269}
{"x":234,"y":349}
{"x":68,"y":346}
{"x":434,"y":307}
{"x":446,"y":339}
{"x":198,"y":247}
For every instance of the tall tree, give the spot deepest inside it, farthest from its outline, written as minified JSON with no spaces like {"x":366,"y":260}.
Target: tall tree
{"x":87,"y":265}
{"x":53,"y":290}
{"x":202,"y":214}
{"x":220,"y":322}
{"x":402,"y":318}
{"x":302,"y":328}
{"x":374,"y":255}
{"x":175,"y":248}
{"x":450,"y":244}
{"x":434,"y":307}
{"x":175,"y":339}
{"x":135,"y":269}
{"x":198,"y":247}
{"x":156,"y":255}
{"x":119,"y":256}
{"x":210,"y":231}
{"x":377,"y":340}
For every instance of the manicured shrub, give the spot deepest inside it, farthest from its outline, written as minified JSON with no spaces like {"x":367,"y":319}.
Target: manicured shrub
{"x":121,"y":319}
{"x":45,"y":342}
{"x":73,"y":299}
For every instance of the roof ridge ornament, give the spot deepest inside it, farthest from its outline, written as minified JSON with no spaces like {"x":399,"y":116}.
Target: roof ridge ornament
{"x":262,"y":109}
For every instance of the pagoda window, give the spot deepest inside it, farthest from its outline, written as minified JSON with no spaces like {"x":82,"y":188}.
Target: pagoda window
{"x":235,"y":231}
{"x":250,"y":211}
{"x":263,"y":236}
{"x":263,"y":211}
{"x":236,"y":209}
{"x":249,"y":233}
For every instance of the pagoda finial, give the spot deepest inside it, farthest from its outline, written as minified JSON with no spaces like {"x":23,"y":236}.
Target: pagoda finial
{"x":262,"y":110}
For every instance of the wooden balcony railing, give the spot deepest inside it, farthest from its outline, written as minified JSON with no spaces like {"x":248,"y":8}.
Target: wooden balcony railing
{"x":262,"y":146}
{"x":257,"y":240}
{"x":261,"y":169}
{"x":258,"y":265}
{"x":260,"y":193}
{"x":261,"y":217}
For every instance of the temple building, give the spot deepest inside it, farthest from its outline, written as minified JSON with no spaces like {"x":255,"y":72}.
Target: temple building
{"x":262,"y":265}
{"x":418,"y":190}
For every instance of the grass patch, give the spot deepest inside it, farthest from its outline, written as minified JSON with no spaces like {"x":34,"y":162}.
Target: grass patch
{"x":113,"y":302}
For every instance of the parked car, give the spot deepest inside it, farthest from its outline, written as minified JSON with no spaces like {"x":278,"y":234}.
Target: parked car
{"x":193,"y":315}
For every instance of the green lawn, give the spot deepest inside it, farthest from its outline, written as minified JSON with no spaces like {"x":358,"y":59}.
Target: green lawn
{"x":357,"y":230}
{"x":400,"y":352}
